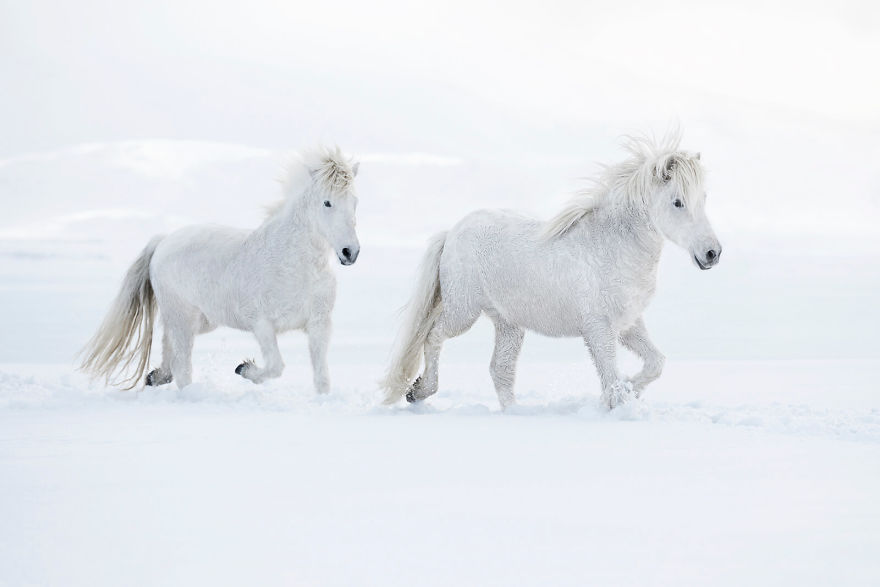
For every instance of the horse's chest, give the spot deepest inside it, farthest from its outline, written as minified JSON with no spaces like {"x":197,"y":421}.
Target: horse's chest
{"x":297,"y":298}
{"x":624,"y":295}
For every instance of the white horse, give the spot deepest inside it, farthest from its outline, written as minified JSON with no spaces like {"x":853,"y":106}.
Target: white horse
{"x":266,"y":281}
{"x":588,"y":272}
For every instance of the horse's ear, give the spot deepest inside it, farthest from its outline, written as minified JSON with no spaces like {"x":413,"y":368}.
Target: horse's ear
{"x":354,"y":168}
{"x":664,"y":172}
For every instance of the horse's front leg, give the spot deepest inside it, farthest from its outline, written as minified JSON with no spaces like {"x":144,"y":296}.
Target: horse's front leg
{"x":637,"y":340}
{"x":265,"y":335}
{"x":319,"y":339}
{"x":601,"y":339}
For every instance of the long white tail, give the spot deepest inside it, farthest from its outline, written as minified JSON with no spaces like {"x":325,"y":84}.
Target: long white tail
{"x":125,"y":337}
{"x":420,"y":315}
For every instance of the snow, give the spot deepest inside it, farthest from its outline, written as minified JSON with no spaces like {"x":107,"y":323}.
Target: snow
{"x":711,"y":479}
{"x":754,"y":459}
{"x":229,"y":483}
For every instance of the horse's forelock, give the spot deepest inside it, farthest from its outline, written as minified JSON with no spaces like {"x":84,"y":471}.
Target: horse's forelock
{"x":332,"y":170}
{"x":686,"y":172}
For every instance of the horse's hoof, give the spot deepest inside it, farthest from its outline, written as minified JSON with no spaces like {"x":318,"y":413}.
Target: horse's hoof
{"x":410,"y":395}
{"x":243,"y":367}
{"x":155,"y":378}
{"x":618,"y":394}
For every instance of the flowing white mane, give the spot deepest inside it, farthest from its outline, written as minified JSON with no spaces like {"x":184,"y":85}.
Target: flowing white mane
{"x":326,"y":167}
{"x":631,"y":182}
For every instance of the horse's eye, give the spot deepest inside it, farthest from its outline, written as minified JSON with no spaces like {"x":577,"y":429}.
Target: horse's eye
{"x":678,"y":204}
{"x":326,"y":203}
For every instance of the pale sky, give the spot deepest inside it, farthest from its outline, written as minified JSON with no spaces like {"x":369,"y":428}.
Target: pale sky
{"x":380,"y":72}
{"x":783,"y":97}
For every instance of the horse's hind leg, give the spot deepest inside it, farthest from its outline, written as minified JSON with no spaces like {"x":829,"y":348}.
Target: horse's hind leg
{"x":162,"y":375}
{"x":426,"y":384}
{"x":182,"y":338}
{"x":180,"y":324}
{"x":508,"y":343}
{"x":265,"y":334}
{"x":452,"y":322}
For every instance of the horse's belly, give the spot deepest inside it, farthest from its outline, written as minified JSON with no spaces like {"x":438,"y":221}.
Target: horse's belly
{"x":291,"y":321}
{"x":550,"y":326}
{"x":561,"y":310}
{"x":556,"y":317}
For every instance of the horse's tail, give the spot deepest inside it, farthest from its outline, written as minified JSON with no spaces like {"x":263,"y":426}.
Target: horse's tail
{"x":419,"y":317}
{"x":125,"y":337}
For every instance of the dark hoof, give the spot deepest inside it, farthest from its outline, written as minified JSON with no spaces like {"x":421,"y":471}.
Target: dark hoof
{"x":240,"y":370}
{"x":155,"y":377}
{"x":410,"y":395}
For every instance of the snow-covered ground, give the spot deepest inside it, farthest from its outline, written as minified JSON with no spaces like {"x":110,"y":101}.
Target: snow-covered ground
{"x":755,"y":459}
{"x":728,"y":473}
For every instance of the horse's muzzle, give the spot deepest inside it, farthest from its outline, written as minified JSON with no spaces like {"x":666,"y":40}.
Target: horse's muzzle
{"x":348,"y":256}
{"x":709,"y":260}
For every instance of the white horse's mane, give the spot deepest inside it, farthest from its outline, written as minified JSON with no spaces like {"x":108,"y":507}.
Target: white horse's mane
{"x":328,"y":167}
{"x":629,"y":182}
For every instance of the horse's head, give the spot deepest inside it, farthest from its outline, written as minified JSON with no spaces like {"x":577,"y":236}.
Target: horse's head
{"x":678,"y":207}
{"x":333,"y":204}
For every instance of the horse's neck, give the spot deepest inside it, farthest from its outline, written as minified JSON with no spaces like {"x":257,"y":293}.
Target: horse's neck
{"x":291,"y":230}
{"x":627,"y":234}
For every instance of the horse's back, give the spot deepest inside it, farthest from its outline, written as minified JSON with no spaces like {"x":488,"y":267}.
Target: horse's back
{"x":493,"y":228}
{"x":188,"y":263}
{"x":480,"y":241}
{"x":196,"y":248}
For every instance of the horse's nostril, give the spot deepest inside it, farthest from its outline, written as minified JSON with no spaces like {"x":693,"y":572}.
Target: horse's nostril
{"x":346,"y":253}
{"x":710,"y":255}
